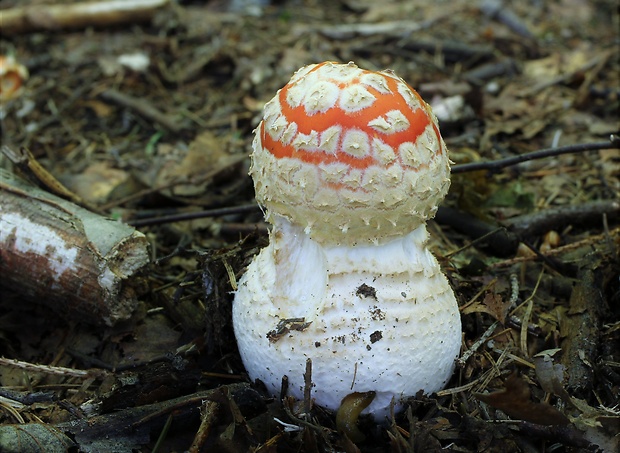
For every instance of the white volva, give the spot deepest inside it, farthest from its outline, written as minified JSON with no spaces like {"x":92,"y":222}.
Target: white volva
{"x":379,"y":318}
{"x":349,"y":165}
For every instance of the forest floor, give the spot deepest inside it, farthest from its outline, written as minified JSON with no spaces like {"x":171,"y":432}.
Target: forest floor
{"x":149,"y":120}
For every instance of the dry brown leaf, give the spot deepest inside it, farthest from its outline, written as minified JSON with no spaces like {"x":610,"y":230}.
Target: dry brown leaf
{"x":33,"y":437}
{"x":493,"y":303}
{"x":97,"y":182}
{"x":101,"y":109}
{"x":515,"y":401}
{"x":187,"y":170}
{"x":497,"y":306}
{"x":150,"y":339}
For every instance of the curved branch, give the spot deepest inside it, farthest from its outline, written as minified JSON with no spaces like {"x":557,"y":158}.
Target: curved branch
{"x":494,"y":165}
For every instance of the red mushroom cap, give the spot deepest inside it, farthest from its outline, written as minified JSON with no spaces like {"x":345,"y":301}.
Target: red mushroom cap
{"x":352,"y":156}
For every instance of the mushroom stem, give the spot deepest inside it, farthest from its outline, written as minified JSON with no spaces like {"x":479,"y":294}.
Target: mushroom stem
{"x":372,"y":318}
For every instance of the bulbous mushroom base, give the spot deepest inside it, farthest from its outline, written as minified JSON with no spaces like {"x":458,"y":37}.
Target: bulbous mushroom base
{"x":371,"y":318}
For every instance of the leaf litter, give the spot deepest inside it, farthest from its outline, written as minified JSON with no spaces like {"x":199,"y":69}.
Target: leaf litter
{"x":154,"y":120}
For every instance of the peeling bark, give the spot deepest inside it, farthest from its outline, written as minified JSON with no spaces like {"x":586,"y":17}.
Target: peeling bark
{"x":59,"y":254}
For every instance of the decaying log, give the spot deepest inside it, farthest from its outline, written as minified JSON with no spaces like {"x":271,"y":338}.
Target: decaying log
{"x":25,"y":19}
{"x":56,"y":253}
{"x":580,"y":329}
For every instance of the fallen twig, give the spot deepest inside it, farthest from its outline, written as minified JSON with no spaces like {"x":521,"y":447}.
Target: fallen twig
{"x":590,"y":241}
{"x":556,"y":217}
{"x":49,"y":369}
{"x":451,"y":50}
{"x":397,"y":28}
{"x":496,"y":9}
{"x":134,"y":425}
{"x":25,"y":19}
{"x":580,"y":329}
{"x":488,"y":71}
{"x":492,"y":238}
{"x":495,"y":165}
{"x":142,"y":107}
{"x":218,"y":212}
{"x":35,"y":172}
{"x":474,"y":347}
{"x":208,"y":416}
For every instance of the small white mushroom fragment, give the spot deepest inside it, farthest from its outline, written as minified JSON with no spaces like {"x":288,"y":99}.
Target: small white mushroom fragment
{"x":13,"y":75}
{"x":349,"y":165}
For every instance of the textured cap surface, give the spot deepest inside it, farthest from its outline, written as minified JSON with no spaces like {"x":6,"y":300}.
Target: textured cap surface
{"x":352,"y":156}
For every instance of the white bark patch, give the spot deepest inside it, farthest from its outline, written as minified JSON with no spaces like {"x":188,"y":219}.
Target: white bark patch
{"x":51,"y":245}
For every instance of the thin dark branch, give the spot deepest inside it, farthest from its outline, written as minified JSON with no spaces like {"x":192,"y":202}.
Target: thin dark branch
{"x":494,"y":165}
{"x":194,"y":215}
{"x":614,"y":142}
{"x":143,"y":107}
{"x":555,"y":217}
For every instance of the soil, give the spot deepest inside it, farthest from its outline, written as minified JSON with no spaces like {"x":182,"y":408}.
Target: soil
{"x":149,"y":120}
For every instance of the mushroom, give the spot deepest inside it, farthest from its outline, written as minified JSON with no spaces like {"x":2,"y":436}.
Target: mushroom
{"x":12,"y":77}
{"x":349,"y":165}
